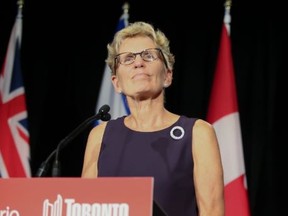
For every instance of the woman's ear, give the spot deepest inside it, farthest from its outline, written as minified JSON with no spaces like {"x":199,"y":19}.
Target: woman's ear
{"x":114,"y":80}
{"x":168,"y":78}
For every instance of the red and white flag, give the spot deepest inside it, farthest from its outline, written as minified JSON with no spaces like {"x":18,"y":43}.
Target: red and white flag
{"x":14,"y":136}
{"x":223,"y":114}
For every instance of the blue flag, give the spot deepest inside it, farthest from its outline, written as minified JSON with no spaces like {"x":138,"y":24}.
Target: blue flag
{"x":107,"y":94}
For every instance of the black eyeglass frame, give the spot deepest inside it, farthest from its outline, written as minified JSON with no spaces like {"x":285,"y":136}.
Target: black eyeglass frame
{"x":140,"y":53}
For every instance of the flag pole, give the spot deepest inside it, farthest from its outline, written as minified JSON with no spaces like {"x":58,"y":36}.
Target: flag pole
{"x":228,"y":4}
{"x":125,"y":14}
{"x":20,"y":4}
{"x":126,"y":7}
{"x":227,"y":16}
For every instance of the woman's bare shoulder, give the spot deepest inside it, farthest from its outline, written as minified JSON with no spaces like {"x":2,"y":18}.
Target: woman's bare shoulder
{"x":98,"y":130}
{"x":201,"y":126}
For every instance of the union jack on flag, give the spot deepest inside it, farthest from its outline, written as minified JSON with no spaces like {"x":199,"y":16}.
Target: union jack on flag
{"x":14,"y":135}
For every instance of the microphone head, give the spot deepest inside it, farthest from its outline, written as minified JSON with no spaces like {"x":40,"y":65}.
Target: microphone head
{"x":105,"y":117}
{"x":104,"y":113}
{"x":104,"y":109}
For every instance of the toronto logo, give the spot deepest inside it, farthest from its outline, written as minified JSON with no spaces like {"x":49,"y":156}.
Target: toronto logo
{"x":73,"y":208}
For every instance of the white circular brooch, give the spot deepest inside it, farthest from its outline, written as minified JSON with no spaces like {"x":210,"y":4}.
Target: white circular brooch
{"x":174,"y":133}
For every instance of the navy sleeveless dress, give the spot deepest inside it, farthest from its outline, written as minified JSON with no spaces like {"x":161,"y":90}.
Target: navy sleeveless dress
{"x":165,"y":155}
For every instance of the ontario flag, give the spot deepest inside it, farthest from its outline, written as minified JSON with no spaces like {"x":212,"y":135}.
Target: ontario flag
{"x":14,"y":136}
{"x":107,"y":94}
{"x":224,"y":115}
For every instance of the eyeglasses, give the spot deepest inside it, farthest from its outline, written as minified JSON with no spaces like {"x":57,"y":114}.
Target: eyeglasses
{"x":149,"y":55}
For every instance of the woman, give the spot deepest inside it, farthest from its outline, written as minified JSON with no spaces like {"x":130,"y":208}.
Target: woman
{"x":181,"y":153}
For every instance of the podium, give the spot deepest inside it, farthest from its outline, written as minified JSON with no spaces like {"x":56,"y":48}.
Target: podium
{"x":103,"y":196}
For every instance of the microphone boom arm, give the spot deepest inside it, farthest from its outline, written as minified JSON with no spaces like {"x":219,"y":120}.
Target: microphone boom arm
{"x":103,"y":114}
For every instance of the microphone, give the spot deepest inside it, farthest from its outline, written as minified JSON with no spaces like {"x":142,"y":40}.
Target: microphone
{"x":103,"y":114}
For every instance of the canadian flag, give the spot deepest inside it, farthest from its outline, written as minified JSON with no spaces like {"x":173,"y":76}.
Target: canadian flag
{"x":223,"y":114}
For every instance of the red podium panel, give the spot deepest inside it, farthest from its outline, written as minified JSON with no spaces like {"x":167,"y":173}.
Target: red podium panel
{"x":105,"y":196}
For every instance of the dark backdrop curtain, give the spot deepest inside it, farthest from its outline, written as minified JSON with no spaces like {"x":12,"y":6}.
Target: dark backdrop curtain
{"x":63,"y":53}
